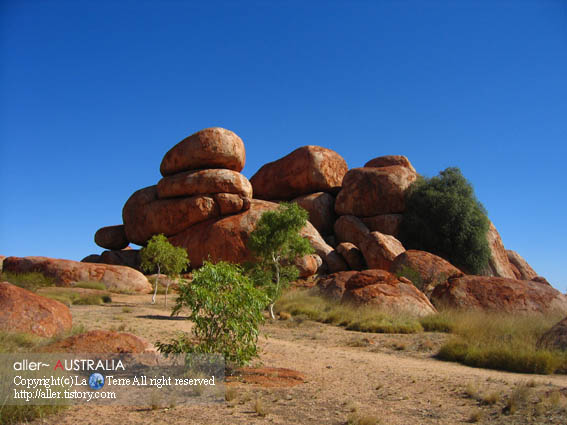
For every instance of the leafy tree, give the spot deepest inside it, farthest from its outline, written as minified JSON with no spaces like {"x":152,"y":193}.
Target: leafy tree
{"x":444,"y":217}
{"x":160,"y":254}
{"x":276,"y":243}
{"x":227,"y":311}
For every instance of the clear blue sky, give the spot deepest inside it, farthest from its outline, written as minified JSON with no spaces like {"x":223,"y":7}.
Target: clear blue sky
{"x":92,"y":95}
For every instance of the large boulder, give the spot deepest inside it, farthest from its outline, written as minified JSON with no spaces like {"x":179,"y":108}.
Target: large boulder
{"x":100,"y":341}
{"x":68,"y":272}
{"x":389,"y":160}
{"x":379,"y":250}
{"x":499,"y":294}
{"x":125,"y":257}
{"x":111,"y":237}
{"x":424,"y":269}
{"x":226,"y":238}
{"x":370,"y":191}
{"x":145,"y":215}
{"x":308,"y":169}
{"x":209,"y":148}
{"x":498,"y":265}
{"x":204,"y":182}
{"x":389,"y":224}
{"x":24,"y":311}
{"x":321,"y":209}
{"x":333,"y":285}
{"x":352,"y":255}
{"x":388,"y":292}
{"x":91,"y":258}
{"x":555,"y":338}
{"x":522,"y":269}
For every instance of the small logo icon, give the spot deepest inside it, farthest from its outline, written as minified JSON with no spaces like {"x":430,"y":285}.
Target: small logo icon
{"x":96,"y":381}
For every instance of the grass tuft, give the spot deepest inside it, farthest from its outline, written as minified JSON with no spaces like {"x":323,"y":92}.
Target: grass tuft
{"x":90,"y":285}
{"x":31,"y":281}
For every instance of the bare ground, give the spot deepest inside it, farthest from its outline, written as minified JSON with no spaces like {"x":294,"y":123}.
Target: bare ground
{"x":390,"y":378}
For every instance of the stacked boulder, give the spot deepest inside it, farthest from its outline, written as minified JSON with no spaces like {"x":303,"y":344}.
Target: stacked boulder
{"x":370,"y":205}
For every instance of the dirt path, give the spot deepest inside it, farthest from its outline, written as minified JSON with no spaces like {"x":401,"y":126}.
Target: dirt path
{"x":391,"y":377}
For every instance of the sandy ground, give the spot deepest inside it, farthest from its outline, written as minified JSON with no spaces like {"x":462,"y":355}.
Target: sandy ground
{"x":392,"y":378}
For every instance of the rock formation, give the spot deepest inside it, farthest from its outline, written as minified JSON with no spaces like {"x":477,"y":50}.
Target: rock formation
{"x":555,"y":338}
{"x":24,"y":311}
{"x":522,"y":270}
{"x":67,"y":273}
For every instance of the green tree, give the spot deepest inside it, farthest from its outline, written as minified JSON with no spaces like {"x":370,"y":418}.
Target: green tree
{"x":444,"y":217}
{"x":161,"y":255}
{"x":227,"y":311}
{"x":276,"y":243}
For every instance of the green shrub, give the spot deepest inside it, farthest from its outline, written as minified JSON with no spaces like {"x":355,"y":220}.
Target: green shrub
{"x":227,"y":311}
{"x":90,"y":285}
{"x":444,"y":217}
{"x":31,"y":281}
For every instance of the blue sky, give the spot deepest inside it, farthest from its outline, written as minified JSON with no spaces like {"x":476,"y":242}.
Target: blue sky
{"x":94,"y":93}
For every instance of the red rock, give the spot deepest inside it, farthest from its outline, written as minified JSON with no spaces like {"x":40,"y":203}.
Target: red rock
{"x":352,"y":255}
{"x":321,"y":209}
{"x":524,"y":270}
{"x":333,"y":285}
{"x":388,"y":292}
{"x":226,"y":238}
{"x":204,"y":182}
{"x":67,"y":272}
{"x":368,"y":191}
{"x":499,"y":294}
{"x":145,"y":215}
{"x":308,"y":169}
{"x":555,"y":338}
{"x":379,"y":250}
{"x":389,"y":160}
{"x":24,"y":311}
{"x":498,"y":265}
{"x":389,"y":224}
{"x":307,"y":265}
{"x":424,"y":269}
{"x":99,"y":341}
{"x":126,"y":257}
{"x":111,"y":237}
{"x":209,"y":148}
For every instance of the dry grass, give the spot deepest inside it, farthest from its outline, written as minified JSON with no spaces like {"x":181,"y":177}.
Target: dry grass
{"x":356,"y":418}
{"x":30,"y":281}
{"x":260,"y":407}
{"x":307,"y":303}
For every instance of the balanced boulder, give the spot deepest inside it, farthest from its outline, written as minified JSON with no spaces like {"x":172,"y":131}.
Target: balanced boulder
{"x":209,"y":148}
{"x":499,"y":294}
{"x":67,"y":273}
{"x":204,"y":182}
{"x":388,"y":292}
{"x":424,"y":269}
{"x":321,"y":209}
{"x":24,"y":311}
{"x":111,"y":237}
{"x":306,"y":170}
{"x":370,"y":191}
{"x":389,"y":160}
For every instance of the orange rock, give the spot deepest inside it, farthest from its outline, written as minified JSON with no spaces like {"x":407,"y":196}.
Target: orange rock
{"x":24,"y":311}
{"x":388,"y":292}
{"x":204,"y":182}
{"x":209,"y":148}
{"x":424,"y":269}
{"x":99,"y":341}
{"x":499,"y":294}
{"x":333,"y":285}
{"x":111,"y":237}
{"x":389,"y":160}
{"x":498,"y":265}
{"x":389,"y":224}
{"x":306,"y":170}
{"x":321,"y":209}
{"x":369,"y":191}
{"x":67,"y":272}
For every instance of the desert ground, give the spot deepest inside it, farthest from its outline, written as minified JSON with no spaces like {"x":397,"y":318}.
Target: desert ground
{"x":350,"y":378}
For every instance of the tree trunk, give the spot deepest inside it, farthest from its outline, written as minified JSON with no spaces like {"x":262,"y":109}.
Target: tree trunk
{"x":272,"y":311}
{"x":157,"y":283}
{"x":166,"y":289}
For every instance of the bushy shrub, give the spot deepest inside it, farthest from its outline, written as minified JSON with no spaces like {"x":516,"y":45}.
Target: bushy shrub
{"x":444,"y":217}
{"x":227,"y":311}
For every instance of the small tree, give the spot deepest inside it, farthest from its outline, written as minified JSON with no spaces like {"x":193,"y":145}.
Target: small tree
{"x":444,"y":217}
{"x":170,"y":260}
{"x":227,"y":311}
{"x":276,"y":243}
